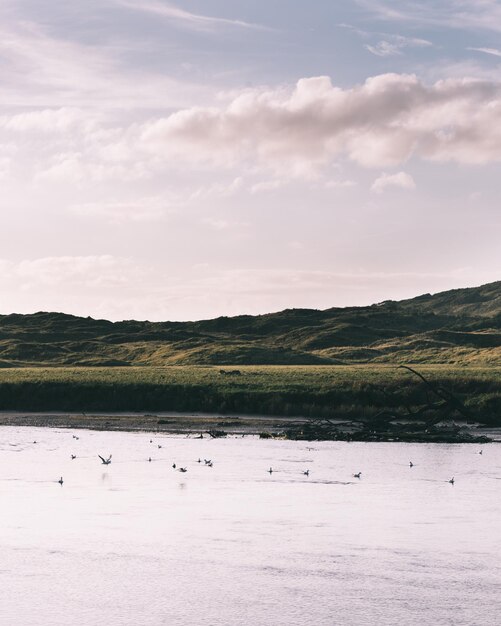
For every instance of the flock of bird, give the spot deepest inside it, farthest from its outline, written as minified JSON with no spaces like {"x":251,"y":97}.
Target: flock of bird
{"x":209,"y":463}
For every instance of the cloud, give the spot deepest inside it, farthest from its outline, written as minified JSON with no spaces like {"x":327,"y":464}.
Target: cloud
{"x":492,"y":51}
{"x":395,"y":44}
{"x":382,"y":122}
{"x":401,"y":180}
{"x":41,"y":70}
{"x":462,"y":14}
{"x":183,"y":17}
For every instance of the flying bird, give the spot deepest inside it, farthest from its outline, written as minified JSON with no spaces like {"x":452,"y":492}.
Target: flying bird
{"x":357,"y":475}
{"x":306,"y":473}
{"x":73,"y":457}
{"x":183,"y":469}
{"x":105,"y":461}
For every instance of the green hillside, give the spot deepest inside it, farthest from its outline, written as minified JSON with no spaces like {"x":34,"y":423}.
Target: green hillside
{"x":461,"y":327}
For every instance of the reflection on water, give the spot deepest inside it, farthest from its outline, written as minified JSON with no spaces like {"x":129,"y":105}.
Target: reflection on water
{"x":140,"y":543}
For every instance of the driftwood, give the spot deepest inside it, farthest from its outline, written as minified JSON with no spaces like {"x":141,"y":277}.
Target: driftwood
{"x":216,"y":434}
{"x":420,"y":423}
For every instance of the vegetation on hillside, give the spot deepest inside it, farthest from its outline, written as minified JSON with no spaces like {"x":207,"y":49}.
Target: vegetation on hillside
{"x":462,"y":326}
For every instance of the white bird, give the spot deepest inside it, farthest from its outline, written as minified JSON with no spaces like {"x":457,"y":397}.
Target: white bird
{"x":105,"y":461}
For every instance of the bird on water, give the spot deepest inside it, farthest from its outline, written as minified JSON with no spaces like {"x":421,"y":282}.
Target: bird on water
{"x":452,"y":480}
{"x":411,"y":464}
{"x":306,"y":473}
{"x":358,"y":475}
{"x":105,"y":461}
{"x":61,"y":481}
{"x":73,"y":457}
{"x":270,"y":471}
{"x":183,"y":469}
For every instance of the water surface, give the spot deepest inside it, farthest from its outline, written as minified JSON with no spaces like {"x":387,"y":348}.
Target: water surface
{"x":140,"y":543}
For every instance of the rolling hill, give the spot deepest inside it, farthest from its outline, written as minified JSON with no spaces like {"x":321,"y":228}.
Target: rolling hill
{"x":461,"y":326}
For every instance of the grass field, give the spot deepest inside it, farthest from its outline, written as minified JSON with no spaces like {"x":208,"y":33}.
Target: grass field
{"x":318,"y":391}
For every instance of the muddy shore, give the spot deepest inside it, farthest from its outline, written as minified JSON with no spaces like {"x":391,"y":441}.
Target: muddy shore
{"x":166,"y":422}
{"x":171,"y":422}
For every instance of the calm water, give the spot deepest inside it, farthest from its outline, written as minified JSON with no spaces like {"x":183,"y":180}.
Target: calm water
{"x":142,"y":544}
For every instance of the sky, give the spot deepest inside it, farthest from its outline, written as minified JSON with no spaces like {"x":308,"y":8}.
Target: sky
{"x":184,"y":160}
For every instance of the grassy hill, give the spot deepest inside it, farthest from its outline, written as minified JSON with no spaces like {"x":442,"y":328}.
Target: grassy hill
{"x":460,"y":327}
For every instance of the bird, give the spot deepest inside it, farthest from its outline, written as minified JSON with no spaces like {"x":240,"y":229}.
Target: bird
{"x":73,"y":457}
{"x":306,"y":473}
{"x":199,"y":461}
{"x":174,"y":465}
{"x":105,"y":461}
{"x":207,"y":461}
{"x":151,"y":440}
{"x":159,"y":446}
{"x":149,"y":459}
{"x":411,"y":464}
{"x":451,"y":480}
{"x":183,"y":469}
{"x":270,"y":471}
{"x":357,"y":475}
{"x":481,"y":452}
{"x":61,"y":481}
{"x":209,"y":464}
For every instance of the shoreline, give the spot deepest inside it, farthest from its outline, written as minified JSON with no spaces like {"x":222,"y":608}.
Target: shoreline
{"x":177,"y":423}
{"x":163,"y":422}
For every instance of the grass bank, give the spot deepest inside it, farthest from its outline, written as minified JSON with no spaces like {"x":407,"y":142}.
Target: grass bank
{"x":346,"y":392}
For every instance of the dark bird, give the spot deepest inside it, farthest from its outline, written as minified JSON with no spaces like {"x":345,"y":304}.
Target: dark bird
{"x":306,"y":473}
{"x":209,"y":464}
{"x":452,"y":480}
{"x":105,"y":461}
{"x":183,"y":469}
{"x":174,"y":465}
{"x":151,"y":440}
{"x":481,"y":452}
{"x":199,"y":461}
{"x":207,"y":461}
{"x":270,"y":471}
{"x":411,"y":464}
{"x":159,"y":446}
{"x":149,"y":460}
{"x":357,"y":475}
{"x":61,"y":481}
{"x":73,"y":457}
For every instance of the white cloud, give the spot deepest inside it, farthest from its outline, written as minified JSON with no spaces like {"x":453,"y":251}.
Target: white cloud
{"x":463,"y":14}
{"x":382,"y":122}
{"x":401,"y":180}
{"x":195,"y":21}
{"x":395,"y":44}
{"x":491,"y":51}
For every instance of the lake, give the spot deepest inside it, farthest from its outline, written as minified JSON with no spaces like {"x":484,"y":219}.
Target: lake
{"x":140,"y":543}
